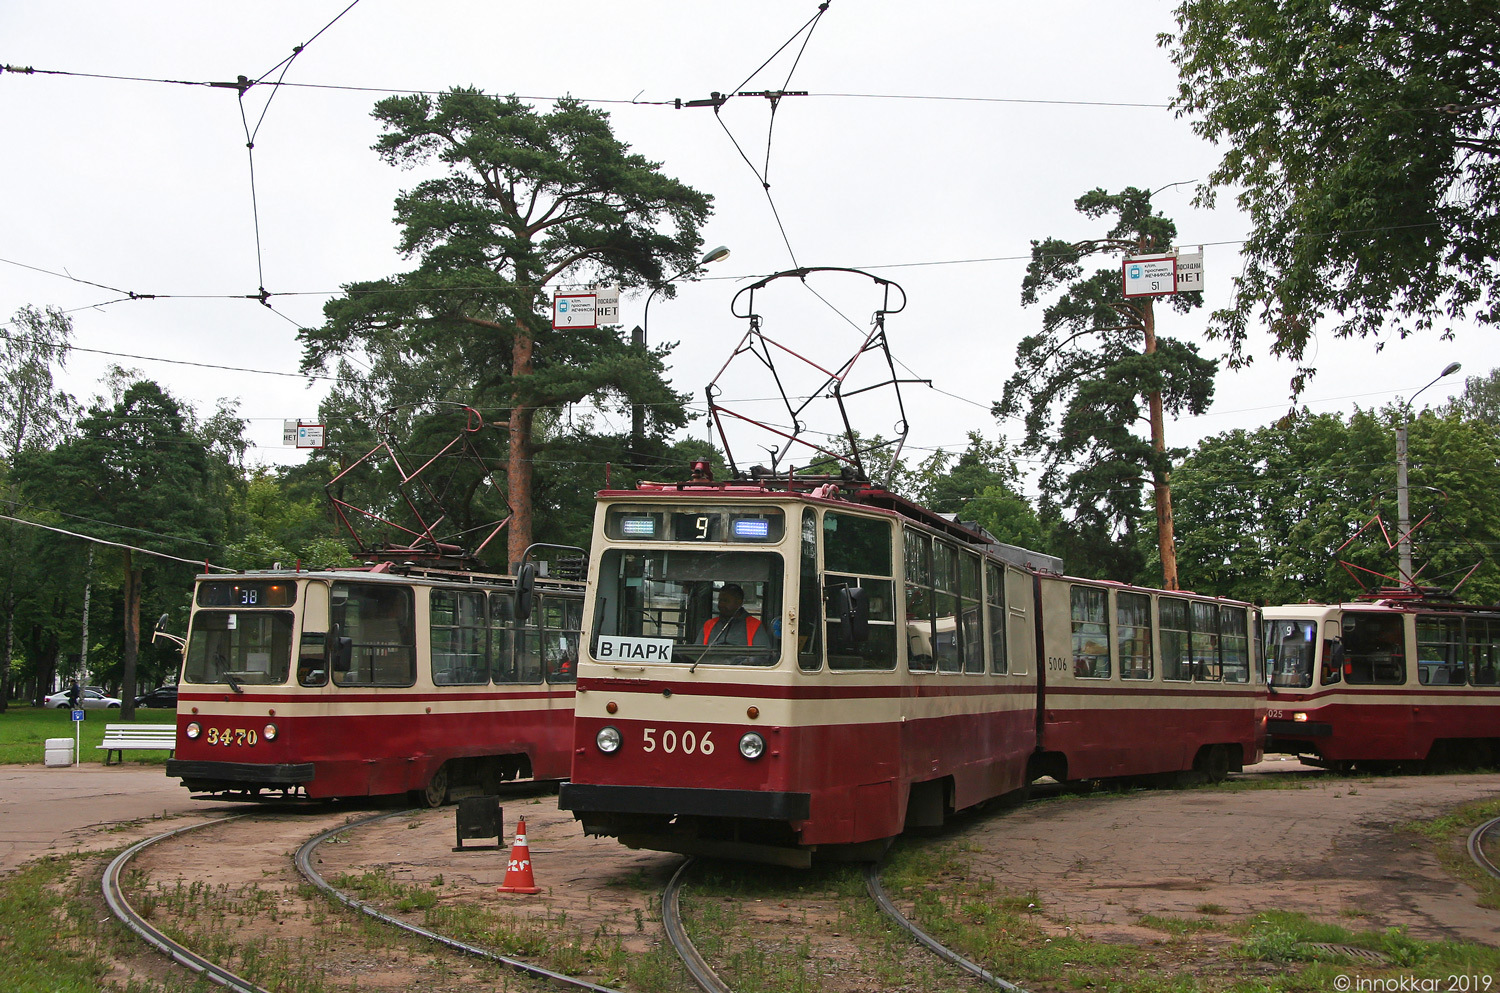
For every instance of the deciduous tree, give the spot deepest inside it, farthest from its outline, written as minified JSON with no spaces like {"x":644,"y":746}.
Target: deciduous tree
{"x":134,"y":465}
{"x":1363,"y":139}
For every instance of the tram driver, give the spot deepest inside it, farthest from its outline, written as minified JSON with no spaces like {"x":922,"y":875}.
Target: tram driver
{"x":734,"y":625}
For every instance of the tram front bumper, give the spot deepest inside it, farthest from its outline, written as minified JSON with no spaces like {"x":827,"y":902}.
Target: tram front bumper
{"x":585,"y":798}
{"x":1299,"y":729}
{"x":246,"y":773}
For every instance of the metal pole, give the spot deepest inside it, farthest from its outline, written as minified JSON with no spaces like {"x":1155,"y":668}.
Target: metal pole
{"x":638,"y":340}
{"x":1403,"y":492}
{"x":1403,"y":504}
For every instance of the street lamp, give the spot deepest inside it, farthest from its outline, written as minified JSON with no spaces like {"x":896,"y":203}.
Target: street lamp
{"x":638,"y":339}
{"x":712,"y":255}
{"x":1403,"y":498}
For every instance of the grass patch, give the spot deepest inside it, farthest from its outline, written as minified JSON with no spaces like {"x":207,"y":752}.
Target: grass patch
{"x":544,"y":936}
{"x":1449,"y":835}
{"x":24,"y":731}
{"x":768,"y":929}
{"x":1014,"y":936}
{"x":46,"y":942}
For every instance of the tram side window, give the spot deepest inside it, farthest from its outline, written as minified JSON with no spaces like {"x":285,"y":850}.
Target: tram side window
{"x":971,"y":620}
{"x":1234,"y":644}
{"x":919,"y":602}
{"x":1176,"y":639}
{"x":530,"y":644}
{"x":502,"y":647}
{"x":457,"y":629}
{"x":562,"y":622}
{"x":377,"y":619}
{"x":1374,"y":648}
{"x":1440,"y":651}
{"x":810,"y":601}
{"x":1482,"y":638}
{"x":857,"y":552}
{"x":1090,"y":612}
{"x":1204,"y":618}
{"x":1133,"y":634}
{"x":945,"y":633}
{"x":312,"y":659}
{"x":995,"y":608}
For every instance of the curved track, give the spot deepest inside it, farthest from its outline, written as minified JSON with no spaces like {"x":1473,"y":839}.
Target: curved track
{"x":671,"y":922}
{"x":704,"y":975}
{"x":114,"y":895}
{"x":119,"y":905}
{"x":1476,"y":847}
{"x":305,"y":866}
{"x":877,"y":892}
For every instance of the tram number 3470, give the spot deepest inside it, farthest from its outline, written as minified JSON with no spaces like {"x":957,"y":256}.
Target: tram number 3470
{"x":686,"y":742}
{"x":231,"y":736}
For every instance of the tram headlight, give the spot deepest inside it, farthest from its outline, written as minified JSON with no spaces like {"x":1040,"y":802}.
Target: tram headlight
{"x":608,"y":739}
{"x":752,"y":745}
{"x":1299,"y":717}
{"x":193,"y":730}
{"x":269,"y":732}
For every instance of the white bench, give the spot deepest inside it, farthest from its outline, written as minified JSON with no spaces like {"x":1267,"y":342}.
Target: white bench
{"x":118,"y":737}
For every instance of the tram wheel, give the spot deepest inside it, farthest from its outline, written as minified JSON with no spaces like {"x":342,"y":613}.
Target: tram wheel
{"x":1213,"y":762}
{"x":436,"y":792}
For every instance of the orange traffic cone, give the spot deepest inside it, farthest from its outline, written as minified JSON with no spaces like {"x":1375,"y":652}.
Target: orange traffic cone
{"x":518,"y":878}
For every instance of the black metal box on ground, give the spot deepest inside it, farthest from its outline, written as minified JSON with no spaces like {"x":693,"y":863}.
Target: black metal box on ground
{"x":480,"y":817}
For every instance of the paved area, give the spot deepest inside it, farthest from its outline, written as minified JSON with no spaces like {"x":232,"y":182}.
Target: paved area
{"x":44,"y":809}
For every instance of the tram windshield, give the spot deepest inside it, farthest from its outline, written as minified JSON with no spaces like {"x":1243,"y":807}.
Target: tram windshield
{"x":1290,"y":650}
{"x":709,"y":607}
{"x":227,"y":646}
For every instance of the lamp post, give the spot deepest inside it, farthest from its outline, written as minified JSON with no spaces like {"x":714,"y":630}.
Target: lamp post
{"x":638,"y":339}
{"x":1403,"y":496}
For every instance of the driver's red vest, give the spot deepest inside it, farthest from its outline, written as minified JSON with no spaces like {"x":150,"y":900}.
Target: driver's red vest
{"x":752,"y":625}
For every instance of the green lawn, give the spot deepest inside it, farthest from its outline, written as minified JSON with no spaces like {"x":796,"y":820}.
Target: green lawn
{"x":24,"y":731}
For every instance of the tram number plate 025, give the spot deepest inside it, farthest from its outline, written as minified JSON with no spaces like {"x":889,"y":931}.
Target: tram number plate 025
{"x":231,"y":737}
{"x":671,"y":741}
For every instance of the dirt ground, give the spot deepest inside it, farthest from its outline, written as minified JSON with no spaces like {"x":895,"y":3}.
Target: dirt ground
{"x":1329,"y":848}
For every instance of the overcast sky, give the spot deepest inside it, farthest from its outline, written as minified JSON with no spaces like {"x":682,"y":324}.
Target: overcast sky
{"x":936,"y":142}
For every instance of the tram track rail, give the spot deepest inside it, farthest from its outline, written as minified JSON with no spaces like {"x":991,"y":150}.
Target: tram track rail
{"x":120,"y":906}
{"x":705,"y":976}
{"x":1476,"y":847}
{"x":304,"y":862}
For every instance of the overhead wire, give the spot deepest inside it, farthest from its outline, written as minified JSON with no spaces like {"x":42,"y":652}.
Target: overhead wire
{"x":115,"y":544}
{"x":243,"y":86}
{"x":804,"y":32}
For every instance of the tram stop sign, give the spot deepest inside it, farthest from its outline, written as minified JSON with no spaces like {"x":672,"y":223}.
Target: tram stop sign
{"x":574,"y":310}
{"x":1151,"y":276}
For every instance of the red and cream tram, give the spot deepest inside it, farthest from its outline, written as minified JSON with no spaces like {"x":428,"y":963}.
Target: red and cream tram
{"x":1400,"y":678}
{"x":380,"y":681}
{"x":881,"y":667}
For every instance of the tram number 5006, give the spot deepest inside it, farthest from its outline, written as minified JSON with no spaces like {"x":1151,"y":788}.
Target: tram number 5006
{"x":687,"y":742}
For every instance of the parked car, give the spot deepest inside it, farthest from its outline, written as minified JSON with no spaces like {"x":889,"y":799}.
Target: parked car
{"x":92,"y":699}
{"x":162,"y":696}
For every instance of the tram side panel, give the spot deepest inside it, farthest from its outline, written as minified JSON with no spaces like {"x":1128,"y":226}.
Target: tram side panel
{"x":1140,"y":682}
{"x":410,"y":697}
{"x":975,"y":729}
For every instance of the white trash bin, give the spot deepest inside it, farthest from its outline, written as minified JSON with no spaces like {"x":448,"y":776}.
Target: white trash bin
{"x":59,"y":752}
